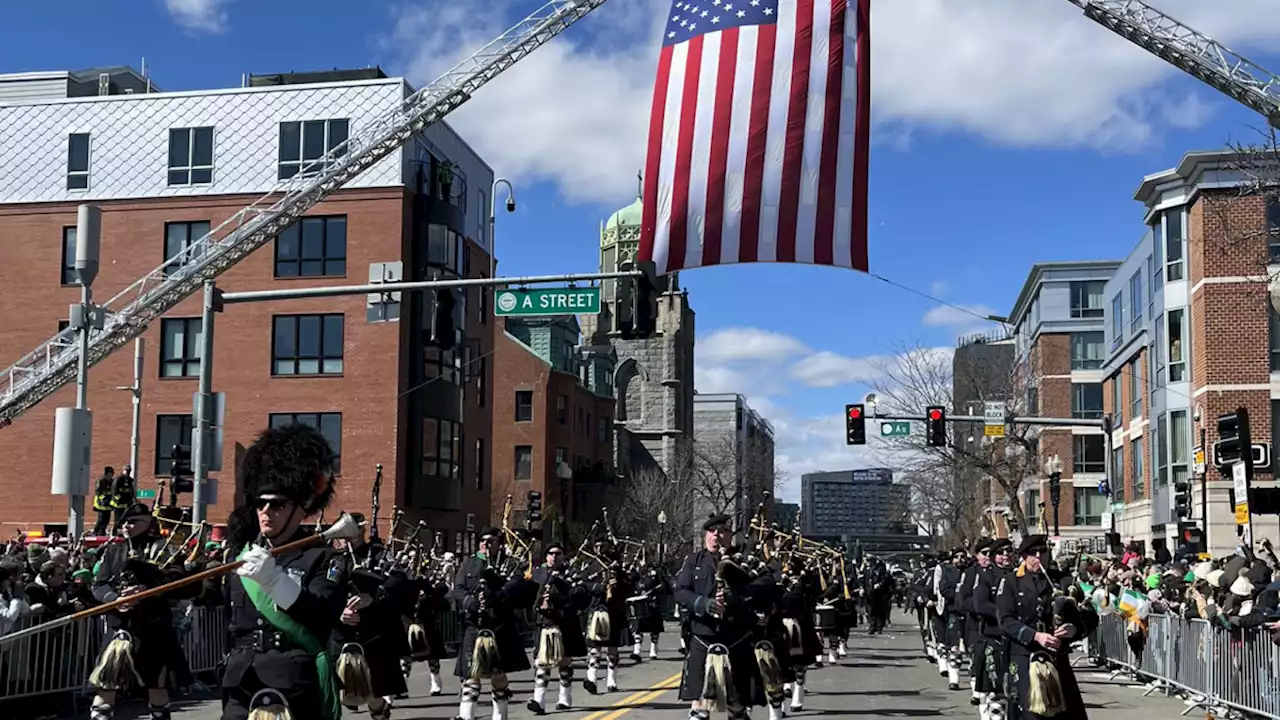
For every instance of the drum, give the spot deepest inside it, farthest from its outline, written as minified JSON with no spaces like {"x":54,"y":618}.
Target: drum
{"x":824,"y":618}
{"x":639,"y":607}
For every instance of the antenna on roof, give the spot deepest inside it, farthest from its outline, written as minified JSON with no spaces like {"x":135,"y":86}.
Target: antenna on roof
{"x":145,"y":75}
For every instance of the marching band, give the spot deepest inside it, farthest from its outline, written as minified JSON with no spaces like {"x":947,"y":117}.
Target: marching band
{"x":327,"y":617}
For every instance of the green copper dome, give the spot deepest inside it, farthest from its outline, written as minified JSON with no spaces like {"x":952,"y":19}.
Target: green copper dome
{"x":629,"y":216}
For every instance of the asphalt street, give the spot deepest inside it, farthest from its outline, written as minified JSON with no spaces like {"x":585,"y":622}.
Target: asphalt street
{"x":883,"y":676}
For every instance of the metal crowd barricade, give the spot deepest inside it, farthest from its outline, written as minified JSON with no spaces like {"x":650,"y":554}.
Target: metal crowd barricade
{"x":1220,"y":669}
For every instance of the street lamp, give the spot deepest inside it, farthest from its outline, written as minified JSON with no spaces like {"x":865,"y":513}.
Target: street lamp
{"x":493,"y":219}
{"x":1053,"y":466}
{"x":662,"y":537}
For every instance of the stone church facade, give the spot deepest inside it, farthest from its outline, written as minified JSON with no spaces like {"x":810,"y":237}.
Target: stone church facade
{"x":653,"y":380}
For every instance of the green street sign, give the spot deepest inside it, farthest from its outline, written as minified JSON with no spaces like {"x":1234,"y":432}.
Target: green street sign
{"x":897,"y":428}
{"x":547,"y":301}
{"x":145,"y":495}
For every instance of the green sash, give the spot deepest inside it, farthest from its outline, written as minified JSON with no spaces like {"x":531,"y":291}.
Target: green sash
{"x":330,"y":707}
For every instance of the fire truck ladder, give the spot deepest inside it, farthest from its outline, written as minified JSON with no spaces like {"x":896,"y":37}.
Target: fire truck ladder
{"x":1190,"y":51}
{"x":53,"y":364}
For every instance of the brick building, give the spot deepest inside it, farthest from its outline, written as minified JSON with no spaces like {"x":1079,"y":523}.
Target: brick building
{"x":1058,"y":355}
{"x":553,"y":423}
{"x":166,"y":167}
{"x":1215,"y":340}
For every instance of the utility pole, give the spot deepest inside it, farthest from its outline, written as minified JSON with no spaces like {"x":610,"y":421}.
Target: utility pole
{"x":135,"y":390}
{"x":202,"y":434}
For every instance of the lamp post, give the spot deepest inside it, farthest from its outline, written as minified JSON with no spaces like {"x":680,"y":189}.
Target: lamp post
{"x":564,"y":474}
{"x":1053,"y":466}
{"x":662,"y":537}
{"x":493,"y":219}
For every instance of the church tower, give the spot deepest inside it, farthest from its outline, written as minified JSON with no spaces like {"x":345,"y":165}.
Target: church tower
{"x":653,"y":380}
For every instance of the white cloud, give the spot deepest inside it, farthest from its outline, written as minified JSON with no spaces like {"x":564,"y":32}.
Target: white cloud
{"x":199,"y":15}
{"x":938,"y":288}
{"x":827,"y":369}
{"x":745,"y":343}
{"x":1026,"y":74}
{"x":956,"y":316}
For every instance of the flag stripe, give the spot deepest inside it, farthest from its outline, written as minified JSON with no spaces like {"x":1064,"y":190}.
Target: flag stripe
{"x":757,"y":145}
{"x":759,"y":135}
{"x":824,"y":237}
{"x":718,"y":161}
{"x":797,"y":113}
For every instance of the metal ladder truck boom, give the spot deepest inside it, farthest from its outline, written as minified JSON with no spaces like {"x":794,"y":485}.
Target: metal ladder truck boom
{"x":44,"y":370}
{"x":1190,"y":51}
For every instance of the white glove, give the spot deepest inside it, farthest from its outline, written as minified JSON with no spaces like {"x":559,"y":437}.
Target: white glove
{"x":261,"y":568}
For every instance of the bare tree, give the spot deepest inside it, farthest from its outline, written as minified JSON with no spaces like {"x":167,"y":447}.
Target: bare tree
{"x":946,"y":499}
{"x":733,"y":477}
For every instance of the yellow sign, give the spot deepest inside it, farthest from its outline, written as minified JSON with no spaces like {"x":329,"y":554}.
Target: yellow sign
{"x":1242,"y":514}
{"x":1199,"y":459}
{"x":993,"y":430}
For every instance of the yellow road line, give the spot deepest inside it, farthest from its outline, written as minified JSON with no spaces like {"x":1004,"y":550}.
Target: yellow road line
{"x":620,"y":707}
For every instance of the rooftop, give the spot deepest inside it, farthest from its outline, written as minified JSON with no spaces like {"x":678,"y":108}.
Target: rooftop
{"x":1037,"y":276}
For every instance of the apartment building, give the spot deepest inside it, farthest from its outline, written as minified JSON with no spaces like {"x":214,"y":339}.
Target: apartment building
{"x":1192,"y":334}
{"x":981,"y":372}
{"x":553,"y":423}
{"x":862,"y":506}
{"x":1059,"y":350}
{"x":166,"y":168}
{"x":727,"y":432}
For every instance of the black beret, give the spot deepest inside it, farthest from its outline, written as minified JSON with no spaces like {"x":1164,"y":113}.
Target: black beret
{"x":1000,"y":545}
{"x":983,"y":545}
{"x":491,"y":532}
{"x":715,"y":521}
{"x":135,"y":510}
{"x":1034,"y":544}
{"x":553,"y":546}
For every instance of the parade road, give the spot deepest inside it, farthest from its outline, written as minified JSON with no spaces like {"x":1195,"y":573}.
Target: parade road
{"x":882,"y":676}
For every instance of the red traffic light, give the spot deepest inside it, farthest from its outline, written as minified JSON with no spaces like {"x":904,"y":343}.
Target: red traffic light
{"x":935,"y":414}
{"x":855,"y":412}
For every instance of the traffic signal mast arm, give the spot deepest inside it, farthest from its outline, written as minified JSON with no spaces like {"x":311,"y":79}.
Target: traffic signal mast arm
{"x":1010,"y":420}
{"x":1189,"y":50}
{"x":53,"y":363}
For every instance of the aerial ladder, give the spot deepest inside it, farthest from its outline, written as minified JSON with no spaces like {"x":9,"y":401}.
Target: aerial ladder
{"x":1192,"y":52}
{"x":53,"y":364}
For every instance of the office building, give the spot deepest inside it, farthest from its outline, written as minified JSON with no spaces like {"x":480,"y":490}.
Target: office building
{"x":858,"y":504}
{"x":739,"y":443}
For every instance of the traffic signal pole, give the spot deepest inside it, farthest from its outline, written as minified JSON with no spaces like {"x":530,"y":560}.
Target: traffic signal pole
{"x":1011,"y":420}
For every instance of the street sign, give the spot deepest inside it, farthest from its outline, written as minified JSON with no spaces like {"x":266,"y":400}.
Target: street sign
{"x":993,"y":412}
{"x":900,"y":428}
{"x":145,"y":495}
{"x":1199,"y":460}
{"x":1241,"y":484}
{"x":547,"y":301}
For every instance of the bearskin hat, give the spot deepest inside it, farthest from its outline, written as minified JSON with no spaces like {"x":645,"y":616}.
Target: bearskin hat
{"x":295,"y":462}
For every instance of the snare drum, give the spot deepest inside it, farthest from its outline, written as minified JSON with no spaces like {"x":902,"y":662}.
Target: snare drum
{"x":639,"y":607}
{"x":824,"y":618}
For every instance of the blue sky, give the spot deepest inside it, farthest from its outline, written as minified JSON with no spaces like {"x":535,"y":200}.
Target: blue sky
{"x":1007,"y":132}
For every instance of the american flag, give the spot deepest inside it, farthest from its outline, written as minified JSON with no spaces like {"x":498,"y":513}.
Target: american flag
{"x":758,"y":136}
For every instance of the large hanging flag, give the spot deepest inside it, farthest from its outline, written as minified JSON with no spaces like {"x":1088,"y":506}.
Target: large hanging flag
{"x":758,"y":139}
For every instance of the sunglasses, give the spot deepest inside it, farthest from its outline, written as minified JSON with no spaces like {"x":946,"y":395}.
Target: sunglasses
{"x":271,"y":504}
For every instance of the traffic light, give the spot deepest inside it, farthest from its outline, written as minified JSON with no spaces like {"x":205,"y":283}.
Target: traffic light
{"x":181,"y":461}
{"x":533,"y":506}
{"x":1230,"y":442}
{"x":936,"y":425}
{"x":855,"y":424}
{"x":644,"y":313}
{"x":1182,"y":499}
{"x":1191,"y":537}
{"x":443,"y":329}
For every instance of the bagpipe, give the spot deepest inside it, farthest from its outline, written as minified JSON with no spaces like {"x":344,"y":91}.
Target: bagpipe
{"x":1056,"y":610}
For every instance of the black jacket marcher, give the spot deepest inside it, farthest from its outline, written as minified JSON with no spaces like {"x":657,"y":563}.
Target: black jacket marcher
{"x":1024,"y":605}
{"x":695,"y":591}
{"x":503,"y":597}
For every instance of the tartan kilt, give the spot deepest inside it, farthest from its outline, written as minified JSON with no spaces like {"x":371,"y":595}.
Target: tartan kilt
{"x":990,"y":663}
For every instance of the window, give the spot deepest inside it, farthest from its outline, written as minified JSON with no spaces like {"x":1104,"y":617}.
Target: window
{"x":191,"y":156}
{"x":180,"y":347}
{"x":1173,"y":240}
{"x":605,"y":426}
{"x":1135,"y":390}
{"x":1033,"y":401}
{"x":69,"y":274}
{"x":562,"y":455}
{"x":442,"y":449}
{"x":306,"y":344}
{"x":1139,"y":482}
{"x":1090,"y":452}
{"x":1117,"y":408}
{"x":1161,"y":442}
{"x":329,"y":425}
{"x":1136,"y":301}
{"x":445,"y":249}
{"x":1117,"y":471}
{"x":479,"y":463}
{"x":1179,"y":445}
{"x":1177,"y":359}
{"x":170,"y":430}
{"x":1086,"y":298}
{"x":1151,"y":287}
{"x":1156,"y":268}
{"x":442,"y":364}
{"x":1086,"y":400}
{"x":1086,"y":350}
{"x":524,"y":462}
{"x":481,"y":368}
{"x":178,"y":237}
{"x":524,"y":406}
{"x":1157,"y":348}
{"x":1090,"y":506}
{"x":1273,"y":324}
{"x":1033,"y":507}
{"x":63,"y":325}
{"x":562,"y":409}
{"x":313,"y":247}
{"x":78,"y":161}
{"x":1273,"y":229}
{"x":1117,"y":319}
{"x":302,"y":144}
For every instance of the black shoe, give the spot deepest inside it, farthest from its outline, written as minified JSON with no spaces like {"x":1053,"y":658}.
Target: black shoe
{"x":974,"y":701}
{"x":953,"y":686}
{"x":563,"y":706}
{"x":590,"y":687}
{"x":635,"y":657}
{"x":535,"y":708}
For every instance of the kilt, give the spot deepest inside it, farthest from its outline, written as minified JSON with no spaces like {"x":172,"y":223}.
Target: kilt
{"x":511,"y":655}
{"x":618,"y":626}
{"x":385,"y":672}
{"x":990,"y":663}
{"x":649,"y":624}
{"x":744,"y":671}
{"x":955,"y":629}
{"x":435,"y":639}
{"x":1020,"y":687}
{"x":571,"y":637}
{"x":158,"y":656}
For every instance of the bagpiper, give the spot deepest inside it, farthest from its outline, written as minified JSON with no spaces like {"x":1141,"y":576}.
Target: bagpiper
{"x":142,"y":648}
{"x":283,"y":608}
{"x":720,"y":671}
{"x":991,"y":655}
{"x":646,"y":609}
{"x":947,"y":620}
{"x":801,"y":591}
{"x":426,"y":639}
{"x":964,"y":602}
{"x":491,"y":645}
{"x":559,"y":639}
{"x":606,"y":615}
